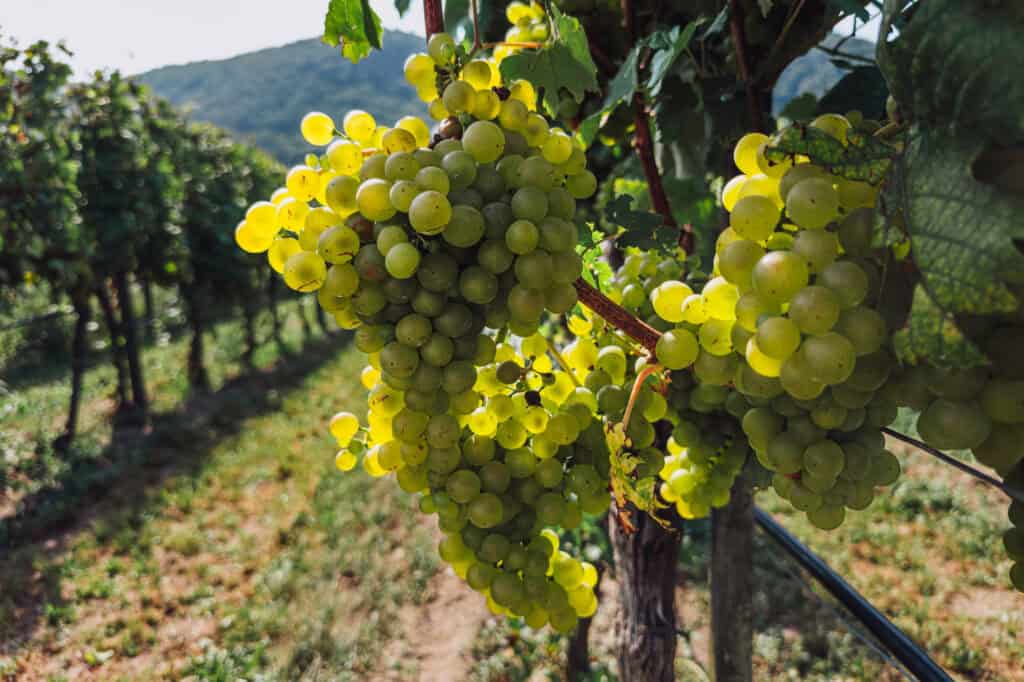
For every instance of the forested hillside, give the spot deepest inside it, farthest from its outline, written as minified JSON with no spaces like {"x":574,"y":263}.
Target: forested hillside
{"x":262,"y":95}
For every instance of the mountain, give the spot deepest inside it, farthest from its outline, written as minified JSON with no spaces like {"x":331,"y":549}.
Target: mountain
{"x":262,"y":96}
{"x":816,"y":72}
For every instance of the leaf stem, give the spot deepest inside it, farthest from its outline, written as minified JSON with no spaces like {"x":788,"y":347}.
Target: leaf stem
{"x":476,"y":25}
{"x":561,"y":361}
{"x":524,"y":46}
{"x":633,"y":394}
{"x":644,"y":144}
{"x":617,"y":316}
{"x":739,"y":42}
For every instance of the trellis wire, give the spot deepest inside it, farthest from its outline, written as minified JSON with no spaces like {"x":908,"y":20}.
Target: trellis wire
{"x":1009,"y":491}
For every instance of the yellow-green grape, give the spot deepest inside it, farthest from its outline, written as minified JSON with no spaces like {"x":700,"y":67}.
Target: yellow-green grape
{"x":430,"y":212}
{"x":459,"y":97}
{"x":512,"y":115}
{"x":797,"y":174}
{"x":754,"y":217}
{"x":340,"y":195}
{"x":344,"y":426}
{"x":280,"y":251}
{"x":744,"y":155}
{"x":779,"y":275}
{"x":719,"y":297}
{"x":854,"y":194}
{"x":484,"y":141}
{"x":778,"y":337}
{"x":486,"y":105}
{"x":398,"y":140}
{"x":834,"y":124}
{"x":369,"y":377}
{"x":342,"y":280}
{"x":437,"y":110}
{"x":291,"y":214}
{"x":428,"y":92}
{"x":374,"y":201}
{"x":419,"y":129}
{"x":731,"y":192}
{"x":557,"y":147}
{"x":761,"y":185}
{"x":813,"y":204}
{"x":581,"y":185}
{"x":262,"y":218}
{"x":318,"y":220}
{"x":250,"y":240}
{"x":303,"y":182}
{"x":441,"y":48}
{"x":737,"y":259}
{"x":377,"y":140}
{"x":359,"y":125}
{"x":345,"y":460}
{"x":536,"y":129}
{"x":716,"y":336}
{"x":518,"y":11}
{"x":523,"y":91}
{"x":371,"y":465}
{"x":279,"y":195}
{"x":419,"y":69}
{"x":667,"y":299}
{"x":693,"y":309}
{"x":338,"y":244}
{"x":677,"y":349}
{"x":749,"y":308}
{"x":345,"y":157}
{"x":305,"y":271}
{"x":325,"y":176}
{"x":773,"y":169}
{"x":478,"y":74}
{"x":346,"y":318}
{"x":317,"y":128}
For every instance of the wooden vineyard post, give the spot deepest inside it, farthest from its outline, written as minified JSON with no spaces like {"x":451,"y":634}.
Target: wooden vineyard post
{"x":732,"y":585}
{"x":646,"y":564}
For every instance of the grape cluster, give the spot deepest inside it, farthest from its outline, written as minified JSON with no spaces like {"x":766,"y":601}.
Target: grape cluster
{"x":784,"y":338}
{"x":980,"y":409}
{"x":434,"y":248}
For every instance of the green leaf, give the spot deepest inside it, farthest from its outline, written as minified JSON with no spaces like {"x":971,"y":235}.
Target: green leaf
{"x":644,"y":229}
{"x":932,"y":334}
{"x":801,"y":108}
{"x":587,"y":235}
{"x":667,"y":46}
{"x":863,"y":89}
{"x":951,"y":65}
{"x":402,"y":6}
{"x":620,"y":89}
{"x":563,"y":64}
{"x":355,"y":25}
{"x":865,"y":158}
{"x":961,"y":231}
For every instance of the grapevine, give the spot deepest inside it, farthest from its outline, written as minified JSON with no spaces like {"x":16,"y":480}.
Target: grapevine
{"x":452,"y":254}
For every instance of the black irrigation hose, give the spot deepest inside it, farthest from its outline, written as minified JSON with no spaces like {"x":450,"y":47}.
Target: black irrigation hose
{"x":1009,"y":491}
{"x":895,"y":640}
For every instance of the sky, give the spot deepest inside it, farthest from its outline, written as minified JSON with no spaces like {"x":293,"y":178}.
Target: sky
{"x":138,"y":35}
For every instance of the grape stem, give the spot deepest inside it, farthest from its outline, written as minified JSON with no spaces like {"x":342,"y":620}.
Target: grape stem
{"x":433,"y":17}
{"x":561,"y":361}
{"x":1009,"y":491}
{"x":617,"y":316}
{"x":739,"y":41}
{"x":637,"y":385}
{"x":644,"y":145}
{"x":474,"y":13}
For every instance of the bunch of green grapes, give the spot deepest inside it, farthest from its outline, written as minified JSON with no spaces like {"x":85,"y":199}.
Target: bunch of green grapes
{"x":784,"y":337}
{"x":433,"y":247}
{"x":980,"y":409}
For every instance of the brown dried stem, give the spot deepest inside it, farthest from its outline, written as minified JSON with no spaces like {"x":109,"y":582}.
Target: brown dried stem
{"x":433,"y":17}
{"x":617,"y":316}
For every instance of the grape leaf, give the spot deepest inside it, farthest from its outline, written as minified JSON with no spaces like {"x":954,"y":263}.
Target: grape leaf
{"x":932,"y":334}
{"x":402,"y":6}
{"x":667,"y":46}
{"x":620,"y":89}
{"x":865,"y":158}
{"x":355,"y":25}
{"x":949,"y":66}
{"x":625,"y":487}
{"x":564,"y":64}
{"x":863,"y":89}
{"x":644,"y":229}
